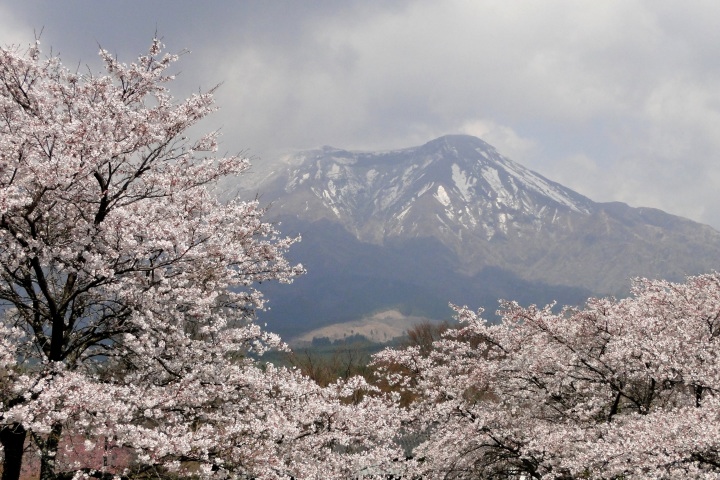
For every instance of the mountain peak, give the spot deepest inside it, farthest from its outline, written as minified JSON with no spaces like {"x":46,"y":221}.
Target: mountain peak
{"x":462,"y":148}
{"x":459,"y":140}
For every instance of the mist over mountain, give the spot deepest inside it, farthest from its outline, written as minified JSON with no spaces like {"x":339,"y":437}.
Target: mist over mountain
{"x":455,"y":221}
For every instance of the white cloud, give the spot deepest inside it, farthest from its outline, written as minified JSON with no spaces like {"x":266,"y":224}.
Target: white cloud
{"x":582,"y":173}
{"x":502,"y":137}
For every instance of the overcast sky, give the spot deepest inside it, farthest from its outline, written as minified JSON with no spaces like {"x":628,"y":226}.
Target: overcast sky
{"x":619,"y":100}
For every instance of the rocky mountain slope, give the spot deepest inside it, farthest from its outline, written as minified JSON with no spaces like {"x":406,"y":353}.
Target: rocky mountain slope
{"x":455,"y":216}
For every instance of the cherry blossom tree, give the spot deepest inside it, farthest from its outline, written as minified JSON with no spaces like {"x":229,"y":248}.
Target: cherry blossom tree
{"x":619,"y":389}
{"x":127,"y":290}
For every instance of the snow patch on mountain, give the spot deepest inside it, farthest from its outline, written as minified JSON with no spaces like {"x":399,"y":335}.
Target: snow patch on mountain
{"x":371,"y":175}
{"x":442,"y":196}
{"x":334,"y":171}
{"x":462,"y":181}
{"x":403,"y":213}
{"x":492,"y":178}
{"x":424,"y":189}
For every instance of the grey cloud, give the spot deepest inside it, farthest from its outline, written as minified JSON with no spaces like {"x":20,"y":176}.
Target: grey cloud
{"x":617,"y":99}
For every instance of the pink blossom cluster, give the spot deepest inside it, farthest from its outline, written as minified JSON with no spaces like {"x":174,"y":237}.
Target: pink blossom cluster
{"x":618,"y":389}
{"x":128,"y":291}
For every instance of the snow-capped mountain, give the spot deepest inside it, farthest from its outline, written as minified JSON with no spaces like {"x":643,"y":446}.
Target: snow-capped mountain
{"x":458,"y":184}
{"x":479,"y":212}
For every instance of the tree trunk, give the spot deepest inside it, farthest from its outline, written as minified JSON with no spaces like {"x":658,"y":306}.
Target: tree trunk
{"x":49,"y":451}
{"x":12,"y":438}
